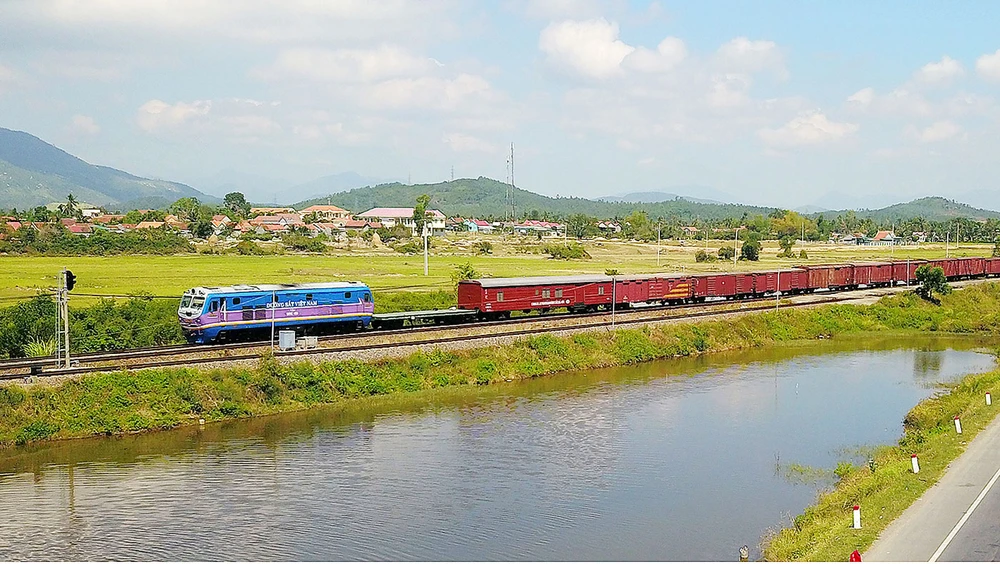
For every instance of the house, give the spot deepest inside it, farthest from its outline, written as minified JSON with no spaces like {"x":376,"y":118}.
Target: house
{"x":105,"y":219}
{"x":883,"y":238}
{"x":609,"y":227}
{"x":920,"y":236}
{"x":532,"y":226}
{"x":478,"y":226}
{"x":325,"y":213}
{"x":286,"y":220}
{"x":391,"y":217}
{"x":149,"y":225}
{"x":242,"y":227}
{"x":82,"y":229}
{"x":361,"y":224}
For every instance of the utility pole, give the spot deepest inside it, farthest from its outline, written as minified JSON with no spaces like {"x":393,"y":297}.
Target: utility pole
{"x":274,"y":307}
{"x":777,"y":290}
{"x":657,"y":244}
{"x":425,"y":249}
{"x":736,"y":246}
{"x":614,"y":298}
{"x":513,"y":206}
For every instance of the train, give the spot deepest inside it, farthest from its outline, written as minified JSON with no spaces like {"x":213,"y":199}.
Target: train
{"x":209,"y":314}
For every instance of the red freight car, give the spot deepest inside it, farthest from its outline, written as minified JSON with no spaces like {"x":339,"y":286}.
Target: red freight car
{"x":831,"y":276}
{"x":991,"y":266}
{"x":948,"y":265}
{"x":788,"y":281}
{"x":495,"y":297}
{"x":729,"y":285}
{"x":971,"y":267}
{"x":873,"y":274}
{"x":905,"y":271}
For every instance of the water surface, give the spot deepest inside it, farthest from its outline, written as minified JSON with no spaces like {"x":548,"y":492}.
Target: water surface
{"x":674,"y":460}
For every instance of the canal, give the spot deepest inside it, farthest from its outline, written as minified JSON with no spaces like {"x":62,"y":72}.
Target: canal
{"x":676,"y":460}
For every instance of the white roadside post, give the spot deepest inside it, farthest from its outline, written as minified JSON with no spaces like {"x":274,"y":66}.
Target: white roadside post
{"x":915,"y":463}
{"x":989,"y":399}
{"x":857,"y":517}
{"x":958,"y":425}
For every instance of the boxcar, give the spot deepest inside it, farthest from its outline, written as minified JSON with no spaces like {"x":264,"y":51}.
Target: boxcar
{"x":948,"y":265}
{"x":497,"y":297}
{"x":873,"y":274}
{"x":208,"y":313}
{"x":905,"y":271}
{"x":790,"y":281}
{"x":829,"y":276}
{"x":991,"y":266}
{"x":971,"y":267}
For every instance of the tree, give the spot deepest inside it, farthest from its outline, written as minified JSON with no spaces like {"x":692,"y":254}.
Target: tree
{"x":186,"y":208}
{"x":581,"y":225}
{"x":727,"y":252}
{"x":786,"y":242}
{"x":71,"y":207}
{"x":750,"y":250}
{"x":420,"y":214}
{"x":237,"y":203}
{"x":464,"y":272}
{"x":202,"y":228}
{"x":996,"y":247}
{"x":931,"y":280}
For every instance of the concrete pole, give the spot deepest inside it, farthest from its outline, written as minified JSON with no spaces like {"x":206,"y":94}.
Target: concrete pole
{"x":425,"y":251}
{"x":614,"y":299}
{"x":273,"y":308}
{"x":657,"y":245}
{"x":736,"y":247}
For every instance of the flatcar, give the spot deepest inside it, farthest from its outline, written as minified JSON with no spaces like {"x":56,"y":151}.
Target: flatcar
{"x":212,"y":313}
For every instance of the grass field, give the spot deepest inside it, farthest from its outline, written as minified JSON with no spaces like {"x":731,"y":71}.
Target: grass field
{"x":387,"y":271}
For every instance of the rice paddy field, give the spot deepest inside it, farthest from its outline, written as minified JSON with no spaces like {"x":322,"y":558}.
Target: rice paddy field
{"x":387,"y":271}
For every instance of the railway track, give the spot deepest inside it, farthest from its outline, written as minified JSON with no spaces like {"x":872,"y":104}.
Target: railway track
{"x":159,"y":357}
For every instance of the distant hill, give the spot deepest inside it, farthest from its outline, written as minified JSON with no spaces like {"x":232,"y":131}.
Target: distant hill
{"x":485,"y":197}
{"x":932,"y":208}
{"x":334,"y":183}
{"x":653,"y":197}
{"x":33,"y":173}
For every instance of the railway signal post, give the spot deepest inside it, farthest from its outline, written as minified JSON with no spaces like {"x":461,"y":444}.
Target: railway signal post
{"x":66,"y":282}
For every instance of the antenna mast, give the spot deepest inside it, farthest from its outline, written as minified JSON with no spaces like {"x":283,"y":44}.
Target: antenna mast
{"x":513,"y":207}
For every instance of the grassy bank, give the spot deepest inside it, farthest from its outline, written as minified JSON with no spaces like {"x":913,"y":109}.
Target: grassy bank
{"x":125,"y":402}
{"x":823,"y":532}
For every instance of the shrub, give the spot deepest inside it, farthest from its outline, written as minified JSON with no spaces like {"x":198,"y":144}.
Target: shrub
{"x":702,"y":256}
{"x":249,"y":248}
{"x":464,"y":272}
{"x":727,"y":252}
{"x":484,"y":248}
{"x":566,"y":252}
{"x":803,"y":255}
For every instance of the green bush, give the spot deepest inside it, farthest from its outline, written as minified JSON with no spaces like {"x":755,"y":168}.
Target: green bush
{"x":566,"y":252}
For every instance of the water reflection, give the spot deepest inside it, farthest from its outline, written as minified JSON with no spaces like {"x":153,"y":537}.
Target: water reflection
{"x":613,"y":464}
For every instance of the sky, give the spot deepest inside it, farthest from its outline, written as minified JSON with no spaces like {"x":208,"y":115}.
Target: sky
{"x":784,"y":103}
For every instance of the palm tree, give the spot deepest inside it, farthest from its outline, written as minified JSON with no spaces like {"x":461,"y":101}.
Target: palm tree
{"x":70,"y":207}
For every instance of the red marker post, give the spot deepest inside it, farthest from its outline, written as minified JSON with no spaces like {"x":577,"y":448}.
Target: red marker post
{"x":855,"y":557}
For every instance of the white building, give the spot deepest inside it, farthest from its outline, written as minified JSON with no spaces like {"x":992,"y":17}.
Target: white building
{"x":391,"y":217}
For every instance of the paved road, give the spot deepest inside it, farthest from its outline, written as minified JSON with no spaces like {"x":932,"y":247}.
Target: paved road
{"x":931,"y":526}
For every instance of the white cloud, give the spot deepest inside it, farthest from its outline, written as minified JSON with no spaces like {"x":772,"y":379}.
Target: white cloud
{"x":862,"y":98}
{"x":941,"y":72}
{"x":937,"y":131}
{"x":85,"y":125}
{"x":811,"y":128}
{"x":346,"y":65}
{"x":988,"y":66}
{"x":743,"y":55}
{"x":558,"y":9}
{"x":241,"y":120}
{"x":668,"y":54}
{"x":729,"y":91}
{"x":460,"y":142}
{"x":432,"y":93}
{"x":157,"y":115}
{"x":589,"y":48}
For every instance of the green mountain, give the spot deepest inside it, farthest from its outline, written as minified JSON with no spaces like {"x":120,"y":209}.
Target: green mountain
{"x":932,"y":208}
{"x":483,"y":197}
{"x":34,"y":173}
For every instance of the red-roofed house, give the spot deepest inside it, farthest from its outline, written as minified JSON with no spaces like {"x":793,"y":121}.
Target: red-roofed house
{"x":328,"y":213}
{"x":80,"y":229}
